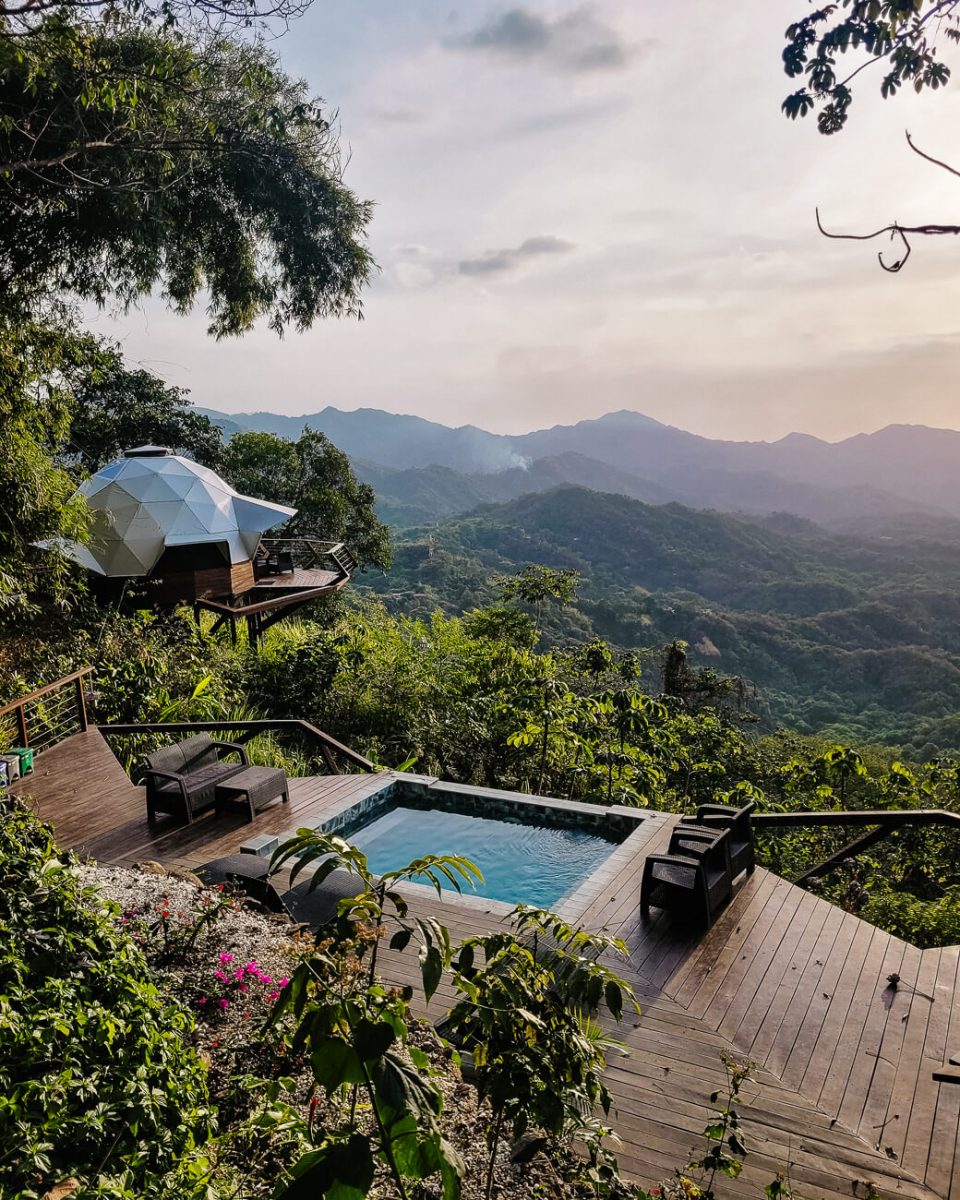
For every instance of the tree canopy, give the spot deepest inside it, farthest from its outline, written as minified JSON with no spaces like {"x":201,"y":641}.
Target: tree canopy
{"x":898,"y":37}
{"x":314,"y":477}
{"x":114,"y":407}
{"x":134,"y":158}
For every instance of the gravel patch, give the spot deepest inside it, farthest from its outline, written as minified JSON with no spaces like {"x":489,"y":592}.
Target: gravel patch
{"x":242,"y":955}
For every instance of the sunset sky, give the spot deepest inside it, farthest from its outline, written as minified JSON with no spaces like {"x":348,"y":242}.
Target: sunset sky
{"x":586,"y":207}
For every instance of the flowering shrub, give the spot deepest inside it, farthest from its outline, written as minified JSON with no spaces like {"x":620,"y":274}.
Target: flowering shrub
{"x":173,"y":932}
{"x":232,"y":984}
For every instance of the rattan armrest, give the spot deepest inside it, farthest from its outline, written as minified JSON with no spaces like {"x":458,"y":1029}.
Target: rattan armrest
{"x":230,"y":747}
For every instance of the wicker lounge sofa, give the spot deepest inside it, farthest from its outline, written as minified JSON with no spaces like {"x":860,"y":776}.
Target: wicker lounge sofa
{"x":183,"y":778}
{"x":301,"y":904}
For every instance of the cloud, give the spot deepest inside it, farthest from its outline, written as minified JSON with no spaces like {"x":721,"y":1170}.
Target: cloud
{"x":579,"y":41}
{"x":500,"y":262}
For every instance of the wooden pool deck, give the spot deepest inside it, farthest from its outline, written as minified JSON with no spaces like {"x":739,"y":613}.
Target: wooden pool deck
{"x":843,"y":1095}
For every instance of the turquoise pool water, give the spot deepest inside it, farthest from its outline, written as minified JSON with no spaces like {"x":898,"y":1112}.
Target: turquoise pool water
{"x":520,"y":863}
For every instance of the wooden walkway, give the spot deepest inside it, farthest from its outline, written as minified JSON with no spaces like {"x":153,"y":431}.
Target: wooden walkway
{"x":842,"y":1095}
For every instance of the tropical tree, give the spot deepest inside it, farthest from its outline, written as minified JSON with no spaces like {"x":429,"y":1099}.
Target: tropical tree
{"x":314,"y":477}
{"x":40,"y":362}
{"x":135,"y":158}
{"x":536,"y":585}
{"x":898,"y":37}
{"x":113,"y":408}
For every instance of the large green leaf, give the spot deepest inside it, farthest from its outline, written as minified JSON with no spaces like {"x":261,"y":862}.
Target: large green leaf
{"x":337,"y":1171}
{"x":372,"y":1038}
{"x":335,"y":1063}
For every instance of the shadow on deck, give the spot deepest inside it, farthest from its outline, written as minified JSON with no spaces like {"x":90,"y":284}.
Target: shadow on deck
{"x":843,"y":1094}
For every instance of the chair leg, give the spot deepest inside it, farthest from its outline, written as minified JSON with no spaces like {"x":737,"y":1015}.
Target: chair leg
{"x":286,"y":795}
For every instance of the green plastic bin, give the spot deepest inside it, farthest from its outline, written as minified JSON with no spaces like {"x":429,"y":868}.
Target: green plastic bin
{"x":26,"y":759}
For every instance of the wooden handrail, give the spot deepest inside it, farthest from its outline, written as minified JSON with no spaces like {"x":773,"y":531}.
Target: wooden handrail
{"x":45,"y":690}
{"x":894,"y":817}
{"x":326,"y":742}
{"x":51,"y":734}
{"x":281,"y":600}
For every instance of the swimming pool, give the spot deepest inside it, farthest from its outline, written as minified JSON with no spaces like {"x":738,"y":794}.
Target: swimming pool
{"x":521,"y":861}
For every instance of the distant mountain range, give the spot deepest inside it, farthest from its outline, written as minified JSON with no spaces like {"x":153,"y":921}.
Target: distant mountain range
{"x":424,"y":471}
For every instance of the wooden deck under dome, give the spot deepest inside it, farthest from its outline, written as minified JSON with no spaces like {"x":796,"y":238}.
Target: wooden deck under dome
{"x":843,"y":1093}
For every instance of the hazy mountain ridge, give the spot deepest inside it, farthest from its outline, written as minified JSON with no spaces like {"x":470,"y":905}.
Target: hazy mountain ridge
{"x":899,"y":469}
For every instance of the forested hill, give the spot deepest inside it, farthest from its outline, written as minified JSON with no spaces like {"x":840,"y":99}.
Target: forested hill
{"x":858,"y":635}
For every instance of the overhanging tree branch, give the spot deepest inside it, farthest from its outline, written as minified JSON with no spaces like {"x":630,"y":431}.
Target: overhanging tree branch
{"x":894,"y":229}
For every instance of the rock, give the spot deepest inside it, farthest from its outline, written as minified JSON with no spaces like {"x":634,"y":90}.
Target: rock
{"x":59,"y":1191}
{"x":151,"y":868}
{"x":526,"y":1148}
{"x":186,"y":876}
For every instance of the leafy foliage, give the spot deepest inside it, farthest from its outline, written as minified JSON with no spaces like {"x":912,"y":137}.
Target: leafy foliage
{"x":526,"y":1018}
{"x":316,"y":478}
{"x":114,"y":408}
{"x":134,"y":157}
{"x":355,"y":1031}
{"x":831,"y":45}
{"x":95,"y":1078}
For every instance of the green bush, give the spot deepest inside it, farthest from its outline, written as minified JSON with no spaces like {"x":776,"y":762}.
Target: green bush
{"x":96,"y":1079}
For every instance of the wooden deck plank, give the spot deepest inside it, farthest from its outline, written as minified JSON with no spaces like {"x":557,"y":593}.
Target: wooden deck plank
{"x":801,"y":992}
{"x":810,"y":1023}
{"x":764,"y":1037}
{"x":941,"y":1161}
{"x":833,"y":1029}
{"x":728,"y":1008}
{"x":726,"y":938}
{"x":895,"y":1120}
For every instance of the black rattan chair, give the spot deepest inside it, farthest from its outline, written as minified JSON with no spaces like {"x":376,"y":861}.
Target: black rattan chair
{"x":695,"y":882}
{"x":737,"y":821}
{"x":183,"y":778}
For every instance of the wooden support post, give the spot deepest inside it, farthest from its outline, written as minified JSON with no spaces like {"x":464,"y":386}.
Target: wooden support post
{"x":21,"y":725}
{"x":849,"y":851}
{"x":81,"y":705}
{"x":329,"y":759}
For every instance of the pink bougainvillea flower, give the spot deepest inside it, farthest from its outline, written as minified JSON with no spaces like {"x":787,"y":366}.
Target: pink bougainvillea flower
{"x":283,"y":982}
{"x":242,"y":988}
{"x":226,"y":958}
{"x":202,"y":1000}
{"x":274,"y":995}
{"x":220,"y":975}
{"x":224,"y":1002}
{"x":238,"y":974}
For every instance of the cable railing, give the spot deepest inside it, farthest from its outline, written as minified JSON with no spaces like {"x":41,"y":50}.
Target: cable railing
{"x":46,"y":716}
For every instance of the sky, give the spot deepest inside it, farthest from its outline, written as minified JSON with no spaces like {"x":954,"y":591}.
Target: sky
{"x":584,"y":207}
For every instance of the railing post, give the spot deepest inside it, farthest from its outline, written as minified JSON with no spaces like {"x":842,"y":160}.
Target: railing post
{"x":329,"y":759}
{"x":21,"y":726}
{"x":81,"y":704}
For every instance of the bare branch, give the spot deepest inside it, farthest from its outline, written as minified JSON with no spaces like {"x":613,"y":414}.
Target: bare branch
{"x":929,"y":157}
{"x":895,"y":230}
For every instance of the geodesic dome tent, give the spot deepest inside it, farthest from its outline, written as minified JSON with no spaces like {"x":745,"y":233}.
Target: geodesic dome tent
{"x":153,"y":501}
